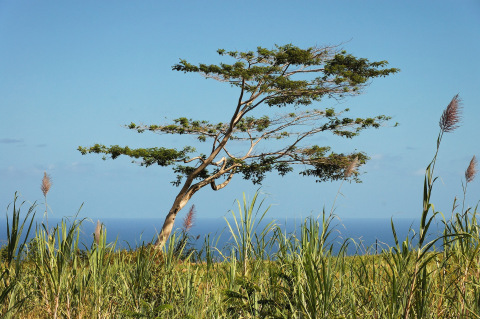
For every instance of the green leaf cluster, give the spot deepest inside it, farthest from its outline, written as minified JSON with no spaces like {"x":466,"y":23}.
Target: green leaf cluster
{"x":349,"y":70}
{"x":255,"y":170}
{"x":149,"y":156}
{"x":272,"y":72}
{"x":332,"y":167}
{"x":183,"y":125}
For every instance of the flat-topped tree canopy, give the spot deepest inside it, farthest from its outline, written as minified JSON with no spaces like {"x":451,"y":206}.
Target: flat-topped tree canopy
{"x":282,"y":77}
{"x":269,"y":73}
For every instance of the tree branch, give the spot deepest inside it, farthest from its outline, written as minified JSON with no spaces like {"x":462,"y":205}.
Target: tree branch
{"x":225,"y":183}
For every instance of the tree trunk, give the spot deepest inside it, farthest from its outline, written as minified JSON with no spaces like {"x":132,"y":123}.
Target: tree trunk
{"x":180,"y":202}
{"x":188,"y":189}
{"x":166,"y":228}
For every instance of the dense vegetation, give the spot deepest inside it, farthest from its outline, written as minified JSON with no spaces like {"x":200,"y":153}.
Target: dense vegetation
{"x":301,"y":280}
{"x":264,"y":273}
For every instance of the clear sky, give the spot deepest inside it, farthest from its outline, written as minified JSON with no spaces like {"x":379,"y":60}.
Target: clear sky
{"x":72,"y":73}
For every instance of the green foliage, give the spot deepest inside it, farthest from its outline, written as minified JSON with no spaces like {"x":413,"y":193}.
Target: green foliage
{"x":332,"y":168}
{"x":11,"y":270}
{"x":283,"y":76}
{"x":256,"y":170}
{"x":244,"y":229}
{"x":351,"y":71}
{"x":269,"y":72}
{"x":156,"y":155}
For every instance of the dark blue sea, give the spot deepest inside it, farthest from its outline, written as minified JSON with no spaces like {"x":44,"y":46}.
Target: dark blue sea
{"x":365,"y":235}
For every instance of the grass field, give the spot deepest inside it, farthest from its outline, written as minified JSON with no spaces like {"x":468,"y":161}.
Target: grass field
{"x":51,"y":277}
{"x":265,"y":274}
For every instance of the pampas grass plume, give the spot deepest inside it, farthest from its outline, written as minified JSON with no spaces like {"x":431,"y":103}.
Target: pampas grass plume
{"x":451,"y":116}
{"x":352,"y":167}
{"x":471,"y":170}
{"x":188,"y":220}
{"x":46,"y":184}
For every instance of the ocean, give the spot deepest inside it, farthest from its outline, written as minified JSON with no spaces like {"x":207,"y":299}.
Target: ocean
{"x":365,"y":234}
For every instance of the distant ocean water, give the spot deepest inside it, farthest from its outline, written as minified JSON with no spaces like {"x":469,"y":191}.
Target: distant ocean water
{"x":130,"y":233}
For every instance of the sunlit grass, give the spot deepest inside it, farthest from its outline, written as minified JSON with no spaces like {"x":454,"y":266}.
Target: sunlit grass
{"x":301,"y":278}
{"x":263,"y":273}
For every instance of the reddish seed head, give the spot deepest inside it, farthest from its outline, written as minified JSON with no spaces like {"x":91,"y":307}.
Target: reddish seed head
{"x":471,"y":170}
{"x":451,"y":115}
{"x":46,"y":184}
{"x":188,"y":220}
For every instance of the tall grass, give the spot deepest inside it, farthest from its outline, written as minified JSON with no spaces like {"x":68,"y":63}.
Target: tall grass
{"x":11,"y":271}
{"x":263,"y":273}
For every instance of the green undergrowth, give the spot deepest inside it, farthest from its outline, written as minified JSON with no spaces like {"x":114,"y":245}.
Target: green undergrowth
{"x":264,"y":273}
{"x":51,"y":276}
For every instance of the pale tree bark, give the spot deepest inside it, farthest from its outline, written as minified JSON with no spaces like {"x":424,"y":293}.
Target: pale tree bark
{"x":183,"y":198}
{"x":186,"y":194}
{"x":168,"y":223}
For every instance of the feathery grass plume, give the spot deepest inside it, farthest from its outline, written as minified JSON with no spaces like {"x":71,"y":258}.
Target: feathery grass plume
{"x":96,"y":234}
{"x":188,"y":220}
{"x":471,"y":170}
{"x":451,"y":115}
{"x":45,"y":187}
{"x":352,"y":167}
{"x":46,"y":184}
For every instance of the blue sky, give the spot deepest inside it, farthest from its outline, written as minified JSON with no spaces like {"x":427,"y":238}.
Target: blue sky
{"x":72,"y":73}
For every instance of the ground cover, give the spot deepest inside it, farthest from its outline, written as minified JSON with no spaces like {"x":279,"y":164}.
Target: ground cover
{"x":264,"y":273}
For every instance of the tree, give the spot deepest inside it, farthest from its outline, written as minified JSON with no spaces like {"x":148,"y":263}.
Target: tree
{"x":286,"y":76}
